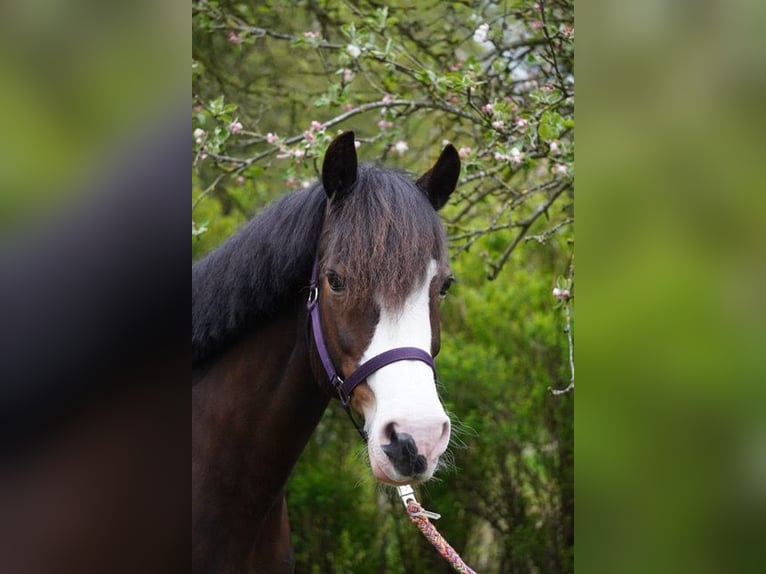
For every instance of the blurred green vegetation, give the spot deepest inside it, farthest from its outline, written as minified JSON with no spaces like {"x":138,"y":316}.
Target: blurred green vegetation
{"x":671,"y":444}
{"x":77,"y":85}
{"x":262,"y":74}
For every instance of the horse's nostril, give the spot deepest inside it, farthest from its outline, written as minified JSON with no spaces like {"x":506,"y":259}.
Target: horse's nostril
{"x":403,"y":453}
{"x":445,"y":431}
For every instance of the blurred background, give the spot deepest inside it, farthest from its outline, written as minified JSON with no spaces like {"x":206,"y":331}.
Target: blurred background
{"x":671,"y":424}
{"x":271,"y":87}
{"x":81,"y":80}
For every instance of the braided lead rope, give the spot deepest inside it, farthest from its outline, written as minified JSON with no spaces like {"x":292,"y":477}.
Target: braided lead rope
{"x":420,"y":518}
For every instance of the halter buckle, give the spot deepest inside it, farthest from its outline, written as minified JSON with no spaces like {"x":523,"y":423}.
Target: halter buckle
{"x":337,"y":382}
{"x":313,"y":296}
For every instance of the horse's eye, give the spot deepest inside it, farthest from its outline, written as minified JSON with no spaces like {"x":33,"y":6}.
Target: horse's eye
{"x":337,"y":283}
{"x":446,"y":284}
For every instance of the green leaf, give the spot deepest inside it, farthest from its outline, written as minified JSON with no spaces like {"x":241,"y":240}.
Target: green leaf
{"x":551,"y":125}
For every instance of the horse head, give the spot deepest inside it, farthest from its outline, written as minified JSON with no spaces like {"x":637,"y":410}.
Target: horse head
{"x":381,"y":271}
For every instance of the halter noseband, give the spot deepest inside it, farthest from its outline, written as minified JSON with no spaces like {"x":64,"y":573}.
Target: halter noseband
{"x":345,"y":388}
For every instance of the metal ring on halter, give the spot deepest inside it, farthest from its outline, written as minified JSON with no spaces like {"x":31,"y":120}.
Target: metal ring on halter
{"x":313,"y":296}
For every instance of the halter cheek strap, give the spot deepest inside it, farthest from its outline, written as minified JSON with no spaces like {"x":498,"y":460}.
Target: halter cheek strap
{"x":344,"y":388}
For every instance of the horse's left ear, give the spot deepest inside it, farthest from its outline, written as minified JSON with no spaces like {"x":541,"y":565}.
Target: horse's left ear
{"x":339,"y":167}
{"x":440,"y":181}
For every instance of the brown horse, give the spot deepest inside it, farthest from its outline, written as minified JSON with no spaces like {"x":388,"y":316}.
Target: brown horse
{"x":260,"y":378}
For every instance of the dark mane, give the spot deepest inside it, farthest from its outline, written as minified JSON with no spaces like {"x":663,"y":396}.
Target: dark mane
{"x":383,"y":234}
{"x":251,"y":276}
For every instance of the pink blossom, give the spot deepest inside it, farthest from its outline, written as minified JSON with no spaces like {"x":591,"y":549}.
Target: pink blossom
{"x":309,"y":136}
{"x":235,"y":38}
{"x":515,"y":156}
{"x":521,"y":123}
{"x":387,"y":99}
{"x":401,"y":147}
{"x":536,"y":25}
{"x":500,"y":156}
{"x":561,"y":294}
{"x":560,"y":169}
{"x":357,"y":143}
{"x":199,"y":135}
{"x":271,"y":137}
{"x":464,"y":152}
{"x":487,"y":108}
{"x":306,"y":183}
{"x":316,"y":126}
{"x":312,"y":35}
{"x":385,"y":124}
{"x":498,"y":124}
{"x":240,"y":180}
{"x":347,"y":75}
{"x":235,"y":127}
{"x":554,"y":147}
{"x":299,"y":153}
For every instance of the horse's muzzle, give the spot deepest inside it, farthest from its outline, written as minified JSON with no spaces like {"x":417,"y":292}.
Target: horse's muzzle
{"x":403,"y":454}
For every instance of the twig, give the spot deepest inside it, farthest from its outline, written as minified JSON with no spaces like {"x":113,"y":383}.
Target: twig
{"x":568,"y":330}
{"x":543,"y":237}
{"x":525,"y":225}
{"x":208,"y":189}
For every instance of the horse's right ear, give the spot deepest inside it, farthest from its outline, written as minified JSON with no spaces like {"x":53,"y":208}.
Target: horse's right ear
{"x":339,"y":167}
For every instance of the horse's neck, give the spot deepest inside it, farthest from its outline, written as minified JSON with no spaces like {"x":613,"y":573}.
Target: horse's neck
{"x":253,"y":412}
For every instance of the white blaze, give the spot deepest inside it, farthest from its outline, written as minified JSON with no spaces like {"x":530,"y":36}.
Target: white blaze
{"x":405,"y":391}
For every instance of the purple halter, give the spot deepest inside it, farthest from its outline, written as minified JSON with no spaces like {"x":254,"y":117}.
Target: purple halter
{"x":345,"y":388}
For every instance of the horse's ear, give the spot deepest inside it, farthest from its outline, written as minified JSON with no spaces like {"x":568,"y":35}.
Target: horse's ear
{"x":440,"y":181}
{"x":339,"y":166}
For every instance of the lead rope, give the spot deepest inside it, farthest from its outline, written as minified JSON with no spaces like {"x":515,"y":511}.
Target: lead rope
{"x":420,"y":517}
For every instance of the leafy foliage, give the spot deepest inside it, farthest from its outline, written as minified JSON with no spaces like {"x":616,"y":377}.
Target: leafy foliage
{"x":273,"y":84}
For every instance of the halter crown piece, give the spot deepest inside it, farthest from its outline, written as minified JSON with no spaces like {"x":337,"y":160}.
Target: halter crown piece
{"x":343,"y":388}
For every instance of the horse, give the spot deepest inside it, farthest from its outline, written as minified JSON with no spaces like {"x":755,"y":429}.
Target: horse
{"x":330,"y":292}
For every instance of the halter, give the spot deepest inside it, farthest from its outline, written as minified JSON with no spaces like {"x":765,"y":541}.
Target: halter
{"x":342,"y":388}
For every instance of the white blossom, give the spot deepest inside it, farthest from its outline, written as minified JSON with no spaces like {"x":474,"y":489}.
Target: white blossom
{"x":481,"y":33}
{"x":353,"y":50}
